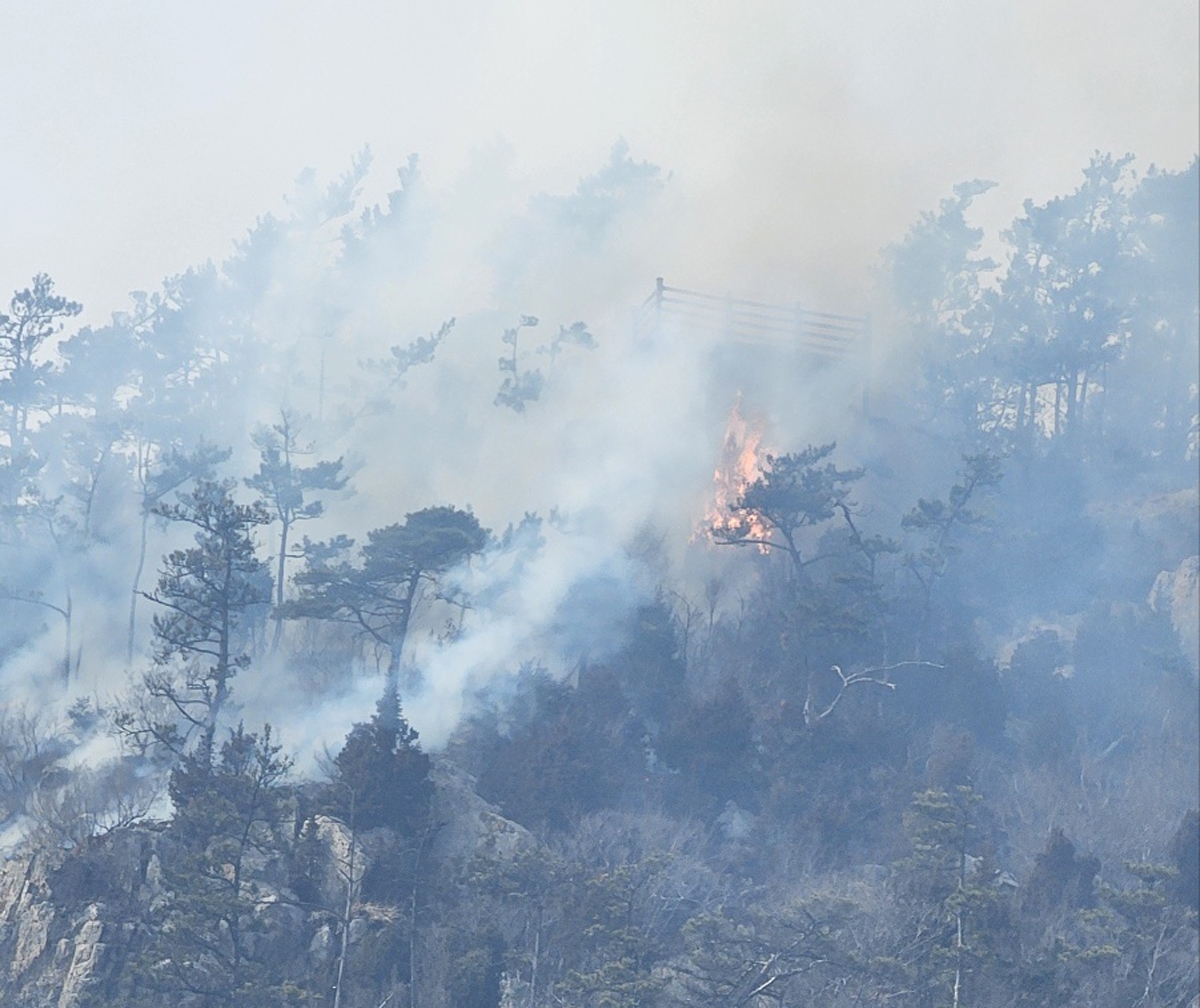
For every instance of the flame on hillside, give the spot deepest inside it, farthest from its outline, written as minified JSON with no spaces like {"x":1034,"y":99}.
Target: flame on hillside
{"x":742,"y":462}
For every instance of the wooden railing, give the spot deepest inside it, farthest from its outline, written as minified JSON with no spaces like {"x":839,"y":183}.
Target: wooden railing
{"x":755,"y":322}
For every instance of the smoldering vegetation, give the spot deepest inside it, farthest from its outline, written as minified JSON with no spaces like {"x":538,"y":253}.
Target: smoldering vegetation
{"x":422,"y":607}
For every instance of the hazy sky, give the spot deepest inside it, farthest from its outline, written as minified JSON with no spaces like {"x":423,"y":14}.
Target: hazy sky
{"x":139,"y":137}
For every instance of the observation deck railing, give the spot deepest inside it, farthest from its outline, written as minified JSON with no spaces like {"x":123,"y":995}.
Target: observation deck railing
{"x":823,"y":334}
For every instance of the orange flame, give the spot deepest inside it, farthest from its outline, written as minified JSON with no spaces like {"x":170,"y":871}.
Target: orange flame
{"x":742,"y":461}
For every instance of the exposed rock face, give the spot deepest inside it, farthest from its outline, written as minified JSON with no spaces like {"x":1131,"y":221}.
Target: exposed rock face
{"x":471,"y":827}
{"x":64,"y":918}
{"x":26,"y":913}
{"x":87,"y":951}
{"x":71,"y":921}
{"x":334,"y":839}
{"x":1177,"y":594}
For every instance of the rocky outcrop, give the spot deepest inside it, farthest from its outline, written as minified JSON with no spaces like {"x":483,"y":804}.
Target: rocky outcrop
{"x":65,"y":917}
{"x":72,"y":921}
{"x":25,"y":912}
{"x":87,"y":950}
{"x":469,"y":826}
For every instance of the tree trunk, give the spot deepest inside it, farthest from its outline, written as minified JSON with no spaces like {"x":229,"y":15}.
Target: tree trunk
{"x":348,"y":912}
{"x":283,"y":545}
{"x":533,"y":972}
{"x":67,"y":636}
{"x":958,"y":956}
{"x":137,"y":580}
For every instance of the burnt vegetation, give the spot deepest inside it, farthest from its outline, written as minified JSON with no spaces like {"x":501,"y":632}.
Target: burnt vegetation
{"x":923,"y":733}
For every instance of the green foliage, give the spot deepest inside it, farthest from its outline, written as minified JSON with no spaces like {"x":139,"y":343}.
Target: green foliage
{"x":1061,"y":883}
{"x":1086,"y":347}
{"x":711,"y":748}
{"x":572,"y":751}
{"x":211,"y":593}
{"x":209,"y":589}
{"x":35,"y":314}
{"x":787,"y":951}
{"x":1136,"y":945}
{"x":941,"y":831}
{"x":615,"y":958}
{"x":935,"y":272}
{"x":796,"y":492}
{"x":415,"y":353}
{"x":965,"y":694}
{"x":160,"y":469}
{"x":1076,"y":365}
{"x":523,"y":385}
{"x":518,"y":387}
{"x":284,"y":484}
{"x":215,"y":934}
{"x":419,"y":351}
{"x":937,"y":520}
{"x":378,"y":592}
{"x":935,"y":524}
{"x":595,"y":914}
{"x":528,"y":891}
{"x":478,"y":967}
{"x":946,"y":887}
{"x":621,"y":186}
{"x":649,"y":669}
{"x":380,"y":776}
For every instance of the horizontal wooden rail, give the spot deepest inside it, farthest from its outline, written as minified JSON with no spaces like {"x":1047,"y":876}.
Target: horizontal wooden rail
{"x":825,"y":334}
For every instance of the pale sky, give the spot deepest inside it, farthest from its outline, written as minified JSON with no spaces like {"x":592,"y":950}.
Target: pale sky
{"x":139,"y":137}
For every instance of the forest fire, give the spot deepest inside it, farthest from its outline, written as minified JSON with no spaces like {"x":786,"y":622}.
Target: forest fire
{"x":742,"y":459}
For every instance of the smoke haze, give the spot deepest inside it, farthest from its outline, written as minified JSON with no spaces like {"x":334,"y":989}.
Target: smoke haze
{"x":768,"y":150}
{"x":140,"y":138}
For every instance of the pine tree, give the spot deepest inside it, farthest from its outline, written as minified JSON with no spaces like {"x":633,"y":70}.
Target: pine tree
{"x":945,"y":887}
{"x":378,"y":592}
{"x":283,"y":484}
{"x":210,"y":593}
{"x":382,"y":774}
{"x":213,"y":936}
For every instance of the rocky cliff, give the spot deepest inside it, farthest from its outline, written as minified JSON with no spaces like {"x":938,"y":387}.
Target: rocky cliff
{"x":72,"y":921}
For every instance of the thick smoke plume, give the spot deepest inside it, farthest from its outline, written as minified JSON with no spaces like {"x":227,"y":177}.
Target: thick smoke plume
{"x":389,"y":333}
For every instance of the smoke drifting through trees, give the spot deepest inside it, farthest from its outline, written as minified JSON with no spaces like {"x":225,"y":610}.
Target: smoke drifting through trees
{"x":916,"y":613}
{"x":208,"y":348}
